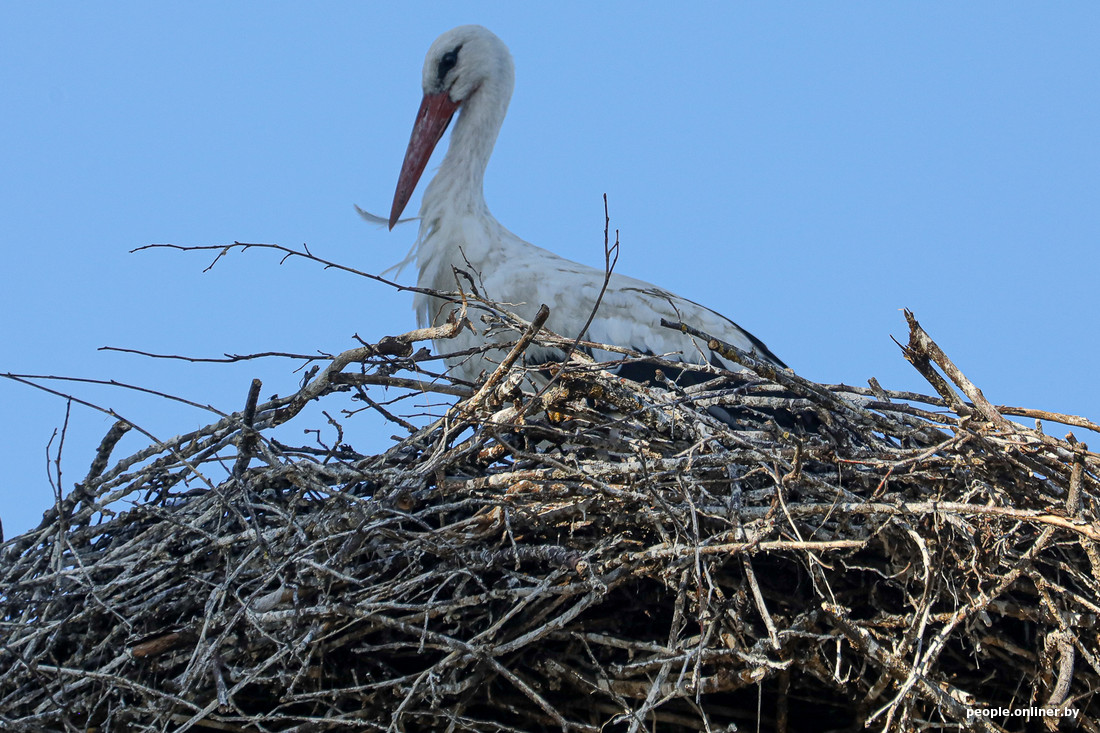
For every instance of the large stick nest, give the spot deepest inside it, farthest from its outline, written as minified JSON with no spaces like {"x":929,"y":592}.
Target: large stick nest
{"x":566,"y":550}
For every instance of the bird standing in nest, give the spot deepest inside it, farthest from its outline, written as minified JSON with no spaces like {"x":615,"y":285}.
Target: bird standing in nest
{"x":469,"y":72}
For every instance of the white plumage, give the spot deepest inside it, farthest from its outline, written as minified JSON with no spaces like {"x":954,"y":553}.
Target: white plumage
{"x":469,"y":70}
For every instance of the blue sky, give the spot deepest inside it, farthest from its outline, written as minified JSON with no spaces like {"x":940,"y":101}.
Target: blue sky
{"x":806,"y":169}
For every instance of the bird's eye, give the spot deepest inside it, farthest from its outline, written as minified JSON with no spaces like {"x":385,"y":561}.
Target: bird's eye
{"x":447,"y":62}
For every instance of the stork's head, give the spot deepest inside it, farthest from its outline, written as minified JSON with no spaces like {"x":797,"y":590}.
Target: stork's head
{"x":464,"y":58}
{"x":464,"y":62}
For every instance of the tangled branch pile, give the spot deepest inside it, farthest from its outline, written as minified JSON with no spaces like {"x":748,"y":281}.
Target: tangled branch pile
{"x":595,"y":555}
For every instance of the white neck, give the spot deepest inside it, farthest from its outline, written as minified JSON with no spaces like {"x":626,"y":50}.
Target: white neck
{"x":458,"y":188}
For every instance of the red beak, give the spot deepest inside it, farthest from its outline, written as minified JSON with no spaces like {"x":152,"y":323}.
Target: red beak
{"x":436,"y":111}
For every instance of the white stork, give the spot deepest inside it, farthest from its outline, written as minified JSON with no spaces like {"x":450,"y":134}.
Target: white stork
{"x":469,"y":71}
